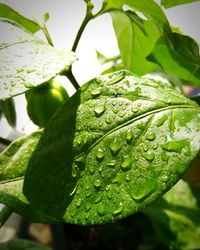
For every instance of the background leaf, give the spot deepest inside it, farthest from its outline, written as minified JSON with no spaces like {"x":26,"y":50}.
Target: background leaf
{"x":13,"y":162}
{"x":26,"y":61}
{"x":172,"y":3}
{"x":176,"y":217}
{"x":178,"y":56}
{"x":8,"y":13}
{"x":7,"y":108}
{"x":122,"y":145}
{"x":19,"y":244}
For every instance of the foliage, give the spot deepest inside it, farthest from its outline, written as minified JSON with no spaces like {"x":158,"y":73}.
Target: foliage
{"x":121,"y":141}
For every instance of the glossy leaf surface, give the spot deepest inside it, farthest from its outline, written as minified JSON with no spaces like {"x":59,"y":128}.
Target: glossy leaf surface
{"x":26,"y":61}
{"x":115,"y":147}
{"x":176,"y":217}
{"x":13,"y":164}
{"x":8,"y":13}
{"x":172,"y":3}
{"x":179,"y":57}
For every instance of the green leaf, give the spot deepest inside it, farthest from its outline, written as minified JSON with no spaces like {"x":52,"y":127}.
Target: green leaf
{"x":172,"y":3}
{"x":7,"y":107}
{"x":8,"y":13}
{"x":134,"y":45}
{"x":178,"y":56}
{"x":176,"y":217}
{"x":26,"y":61}
{"x":115,"y":147}
{"x":13,"y":163}
{"x":19,"y":244}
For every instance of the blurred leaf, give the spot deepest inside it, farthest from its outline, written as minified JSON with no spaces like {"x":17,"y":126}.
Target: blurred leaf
{"x":176,"y":217}
{"x":137,"y":20}
{"x":113,"y":68}
{"x":178,"y":56}
{"x":134,"y":45}
{"x":20,"y":244}
{"x":7,"y":107}
{"x":122,"y":145}
{"x":8,"y":13}
{"x":172,"y":3}
{"x":13,"y":162}
{"x":26,"y":61}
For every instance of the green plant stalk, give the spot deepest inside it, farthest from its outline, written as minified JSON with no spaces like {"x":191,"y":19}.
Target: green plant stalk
{"x":46,"y":33}
{"x":4,"y":215}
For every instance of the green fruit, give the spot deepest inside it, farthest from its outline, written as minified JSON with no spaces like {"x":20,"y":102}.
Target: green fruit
{"x":43,"y":101}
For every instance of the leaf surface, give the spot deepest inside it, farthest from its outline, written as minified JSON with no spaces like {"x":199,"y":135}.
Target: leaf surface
{"x":13,"y":164}
{"x":9,"y":13}
{"x":115,"y":147}
{"x":7,"y":108}
{"x":172,"y":3}
{"x":26,"y":61}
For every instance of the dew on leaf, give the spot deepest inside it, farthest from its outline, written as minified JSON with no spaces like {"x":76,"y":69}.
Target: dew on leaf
{"x":101,"y":209}
{"x":99,"y":198}
{"x":121,"y":114}
{"x":161,"y":120}
{"x":115,"y":146}
{"x":87,"y":207}
{"x":91,"y":169}
{"x":119,"y":210}
{"x":100,"y":154}
{"x":99,"y":109}
{"x":96,"y":91}
{"x":129,"y":135}
{"x":97,"y":183}
{"x":151,"y":137}
{"x":149,"y":156}
{"x":111,"y":163}
{"x":126,"y":165}
{"x":108,"y":119}
{"x":78,"y":202}
{"x":164,"y":157}
{"x":134,"y":109}
{"x":175,"y":146}
{"x":117,"y":179}
{"x":115,"y":110}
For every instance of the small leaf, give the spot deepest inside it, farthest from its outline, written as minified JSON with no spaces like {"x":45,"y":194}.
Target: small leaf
{"x":8,"y":13}
{"x":16,"y":244}
{"x":7,"y":107}
{"x":13,"y":163}
{"x":179,"y":57}
{"x":176,"y":217}
{"x":172,"y":3}
{"x":104,"y":156}
{"x":26,"y":61}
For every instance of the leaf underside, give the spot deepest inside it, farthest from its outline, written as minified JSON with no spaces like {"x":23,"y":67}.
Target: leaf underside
{"x":115,"y":147}
{"x":13,"y":164}
{"x":26,"y":61}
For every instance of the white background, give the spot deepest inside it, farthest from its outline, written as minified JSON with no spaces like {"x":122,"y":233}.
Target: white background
{"x":65,"y":19}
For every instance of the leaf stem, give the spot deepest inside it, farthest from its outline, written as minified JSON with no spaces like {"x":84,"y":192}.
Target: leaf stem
{"x":4,"y":215}
{"x":72,"y":79}
{"x":46,"y":33}
{"x":5,"y":141}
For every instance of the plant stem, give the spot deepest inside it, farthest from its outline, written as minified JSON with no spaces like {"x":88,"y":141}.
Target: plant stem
{"x":4,"y":215}
{"x":72,"y":79}
{"x":46,"y":33}
{"x":5,"y":141}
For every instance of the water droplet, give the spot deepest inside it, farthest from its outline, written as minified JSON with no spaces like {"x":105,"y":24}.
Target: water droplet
{"x":96,"y":91}
{"x":151,"y":137}
{"x":161,"y":120}
{"x":115,"y":78}
{"x":74,"y":171}
{"x":108,"y":119}
{"x":101,"y":209}
{"x":28,"y":85}
{"x":115,"y":110}
{"x":164,"y":157}
{"x":164,"y":178}
{"x":88,"y":194}
{"x":126,"y":165}
{"x":117,"y":179}
{"x":128,"y":177}
{"x":129,"y":135}
{"x":99,"y":198}
{"x":120,"y":103}
{"x":78,"y":202}
{"x":134,"y":109}
{"x":119,"y":210}
{"x":88,"y":207}
{"x":155,"y":146}
{"x":114,"y":102}
{"x":100,"y":154}
{"x":142,"y":189}
{"x":121,"y":114}
{"x":80,"y":161}
{"x":115,"y":146}
{"x":99,"y":109}
{"x":91,"y":169}
{"x":97,"y":183}
{"x":111,"y":163}
{"x":145,"y":148}
{"x":149,"y":156}
{"x":175,"y":146}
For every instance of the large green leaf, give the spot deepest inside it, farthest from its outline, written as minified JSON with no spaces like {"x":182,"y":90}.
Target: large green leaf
{"x":13,"y":163}
{"x":178,"y":56}
{"x":172,"y":3}
{"x":176,"y":217}
{"x":116,"y":146}
{"x":20,"y":244}
{"x":26,"y":61}
{"x":8,"y":13}
{"x":134,"y":45}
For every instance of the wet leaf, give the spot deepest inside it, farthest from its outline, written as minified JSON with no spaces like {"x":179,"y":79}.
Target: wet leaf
{"x":26,"y":61}
{"x":172,"y":3}
{"x":13,"y":164}
{"x":109,"y":153}
{"x":176,"y":217}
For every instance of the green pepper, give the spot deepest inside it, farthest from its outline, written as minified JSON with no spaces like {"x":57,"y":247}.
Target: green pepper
{"x":43,"y":101}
